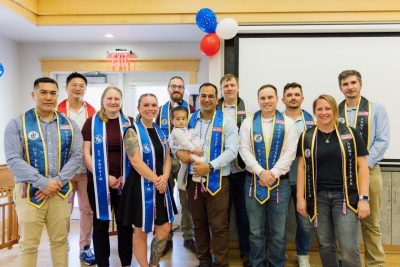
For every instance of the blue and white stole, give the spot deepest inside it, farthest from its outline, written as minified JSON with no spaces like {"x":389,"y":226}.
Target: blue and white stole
{"x":100,"y":164}
{"x":148,"y":188}
{"x":215,"y":147}
{"x":36,"y":151}
{"x":262,"y":153}
{"x":165,"y":122}
{"x":307,"y":119}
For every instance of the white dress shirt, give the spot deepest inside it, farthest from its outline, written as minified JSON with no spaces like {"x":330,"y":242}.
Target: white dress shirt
{"x":289,"y":148}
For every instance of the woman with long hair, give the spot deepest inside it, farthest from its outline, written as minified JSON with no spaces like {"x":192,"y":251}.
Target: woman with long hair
{"x":104,"y":156}
{"x":332,"y":183}
{"x":146,"y":200}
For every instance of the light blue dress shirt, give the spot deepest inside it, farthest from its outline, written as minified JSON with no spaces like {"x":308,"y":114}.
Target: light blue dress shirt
{"x":379,"y":132}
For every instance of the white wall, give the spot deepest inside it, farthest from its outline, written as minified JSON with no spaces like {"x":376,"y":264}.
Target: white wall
{"x":9,"y":87}
{"x":31,"y":53}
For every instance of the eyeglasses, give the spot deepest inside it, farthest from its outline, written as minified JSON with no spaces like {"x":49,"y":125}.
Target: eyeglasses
{"x":174,"y":86}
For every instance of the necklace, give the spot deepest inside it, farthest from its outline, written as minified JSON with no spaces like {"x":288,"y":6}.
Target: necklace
{"x":327,"y":136}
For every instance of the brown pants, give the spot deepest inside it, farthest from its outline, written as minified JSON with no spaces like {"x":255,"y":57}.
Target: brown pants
{"x":210,"y":213}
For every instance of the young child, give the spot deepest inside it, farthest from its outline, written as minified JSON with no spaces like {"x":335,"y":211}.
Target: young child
{"x":181,"y":138}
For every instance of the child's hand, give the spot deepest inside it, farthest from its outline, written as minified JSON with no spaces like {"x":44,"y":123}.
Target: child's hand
{"x":198,"y":152}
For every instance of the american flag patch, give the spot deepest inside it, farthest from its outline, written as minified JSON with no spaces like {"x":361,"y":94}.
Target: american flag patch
{"x":241,"y":112}
{"x":125,"y":124}
{"x":65,"y":127}
{"x":363,"y":113}
{"x":217,"y":129}
{"x":280,"y":122}
{"x":309,"y":122}
{"x":346,"y":136}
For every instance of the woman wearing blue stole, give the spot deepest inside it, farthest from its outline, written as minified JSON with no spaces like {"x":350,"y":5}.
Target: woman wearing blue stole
{"x":108,"y":165}
{"x":146,"y":200}
{"x":332,"y":184}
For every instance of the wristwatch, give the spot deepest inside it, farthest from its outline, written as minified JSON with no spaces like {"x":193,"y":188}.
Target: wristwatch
{"x":211,"y":167}
{"x":364,"y":198}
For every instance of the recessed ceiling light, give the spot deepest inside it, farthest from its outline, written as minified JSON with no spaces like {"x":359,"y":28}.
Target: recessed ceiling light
{"x":109,"y":35}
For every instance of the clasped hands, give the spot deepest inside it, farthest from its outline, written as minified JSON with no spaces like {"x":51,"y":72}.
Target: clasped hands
{"x":53,"y":187}
{"x":267,"y":178}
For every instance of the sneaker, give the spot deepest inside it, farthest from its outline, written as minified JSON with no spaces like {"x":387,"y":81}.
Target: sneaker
{"x":190,"y":244}
{"x":168,"y":247}
{"x":87,"y":255}
{"x":302,"y":261}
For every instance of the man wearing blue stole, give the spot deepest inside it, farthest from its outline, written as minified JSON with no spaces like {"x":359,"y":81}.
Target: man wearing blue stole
{"x":372,"y":121}
{"x":268,"y":142}
{"x":176,"y":90}
{"x":293,"y":98}
{"x":44,"y":151}
{"x":209,"y":200}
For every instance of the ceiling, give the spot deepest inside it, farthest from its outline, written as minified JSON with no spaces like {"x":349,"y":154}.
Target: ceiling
{"x":17,"y":28}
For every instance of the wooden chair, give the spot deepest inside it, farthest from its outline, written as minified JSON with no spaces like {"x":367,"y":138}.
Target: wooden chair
{"x":9,"y":223}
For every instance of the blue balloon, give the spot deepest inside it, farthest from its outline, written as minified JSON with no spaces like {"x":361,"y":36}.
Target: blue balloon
{"x":1,"y":70}
{"x":206,"y":20}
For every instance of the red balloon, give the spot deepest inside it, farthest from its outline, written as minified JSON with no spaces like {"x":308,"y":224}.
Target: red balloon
{"x":209,"y":45}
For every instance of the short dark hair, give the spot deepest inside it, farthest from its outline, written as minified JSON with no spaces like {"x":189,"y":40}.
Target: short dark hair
{"x":346,"y":73}
{"x":178,"y":109}
{"x":267,"y":86}
{"x":44,"y":80}
{"x":76,"y":75}
{"x":292,"y":85}
{"x":209,"y":84}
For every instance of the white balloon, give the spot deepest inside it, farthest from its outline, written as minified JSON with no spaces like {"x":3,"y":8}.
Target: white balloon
{"x":227,"y":28}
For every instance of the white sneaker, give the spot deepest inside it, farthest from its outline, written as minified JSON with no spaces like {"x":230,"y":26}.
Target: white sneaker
{"x":302,"y":261}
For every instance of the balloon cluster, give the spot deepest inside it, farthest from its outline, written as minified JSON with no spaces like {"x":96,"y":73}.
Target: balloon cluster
{"x":207,"y":22}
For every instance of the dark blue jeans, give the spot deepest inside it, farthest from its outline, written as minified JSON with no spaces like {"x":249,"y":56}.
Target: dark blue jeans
{"x":335,"y":228}
{"x":303,"y":228}
{"x":277,"y":213}
{"x":236,"y":198}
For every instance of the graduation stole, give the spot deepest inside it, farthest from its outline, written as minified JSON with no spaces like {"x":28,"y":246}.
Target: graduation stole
{"x":266,"y":157}
{"x":362,"y":120}
{"x":165,"y":122}
{"x":215,"y":147}
{"x":348,"y":150}
{"x":63,"y":108}
{"x":100,"y":164}
{"x":240,"y":116}
{"x":307,"y":119}
{"x":148,"y":188}
{"x":35,"y":150}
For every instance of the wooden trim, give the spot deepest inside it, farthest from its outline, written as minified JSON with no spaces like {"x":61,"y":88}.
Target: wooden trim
{"x":92,"y":12}
{"x":190,"y":65}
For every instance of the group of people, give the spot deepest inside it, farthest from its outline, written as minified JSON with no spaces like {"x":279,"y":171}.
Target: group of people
{"x":221,"y":157}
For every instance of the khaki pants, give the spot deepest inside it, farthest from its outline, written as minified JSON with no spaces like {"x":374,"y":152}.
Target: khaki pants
{"x":55,"y":215}
{"x":370,"y":226}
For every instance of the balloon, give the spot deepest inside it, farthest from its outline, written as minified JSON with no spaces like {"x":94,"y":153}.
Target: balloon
{"x":209,"y":45}
{"x":227,"y":28}
{"x":206,"y":20}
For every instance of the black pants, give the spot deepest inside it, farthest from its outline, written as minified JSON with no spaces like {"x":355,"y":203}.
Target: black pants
{"x":101,"y":240}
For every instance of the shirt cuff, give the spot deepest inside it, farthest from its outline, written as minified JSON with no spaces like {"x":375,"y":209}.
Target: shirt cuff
{"x":258,"y":169}
{"x":41,"y":183}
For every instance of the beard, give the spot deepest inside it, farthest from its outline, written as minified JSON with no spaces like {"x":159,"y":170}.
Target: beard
{"x":176,"y":97}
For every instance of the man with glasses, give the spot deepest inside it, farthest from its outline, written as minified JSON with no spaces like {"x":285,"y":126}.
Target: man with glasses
{"x":43,"y":150}
{"x":209,"y":200}
{"x":176,"y":89}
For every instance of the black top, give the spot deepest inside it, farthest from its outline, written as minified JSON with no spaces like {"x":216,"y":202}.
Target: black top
{"x":130,"y":208}
{"x":329,"y":159}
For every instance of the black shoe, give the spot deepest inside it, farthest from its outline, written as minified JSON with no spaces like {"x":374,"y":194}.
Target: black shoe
{"x":167,"y":248}
{"x":190,"y":244}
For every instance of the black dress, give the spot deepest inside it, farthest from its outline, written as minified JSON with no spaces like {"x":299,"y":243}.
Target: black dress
{"x":130,"y":206}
